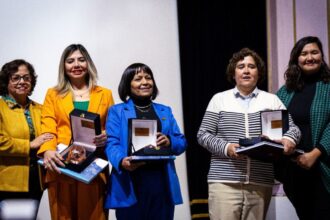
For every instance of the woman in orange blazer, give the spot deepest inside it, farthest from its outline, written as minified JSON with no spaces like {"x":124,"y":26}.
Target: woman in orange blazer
{"x":76,"y":88}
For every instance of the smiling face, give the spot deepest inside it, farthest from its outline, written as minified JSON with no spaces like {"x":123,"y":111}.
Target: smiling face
{"x":142,"y":85}
{"x":310,"y":59}
{"x":246,"y":75}
{"x":76,"y":66}
{"x":19,"y":85}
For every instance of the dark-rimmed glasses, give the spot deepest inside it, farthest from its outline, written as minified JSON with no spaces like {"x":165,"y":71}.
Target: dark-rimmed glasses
{"x":17,"y":78}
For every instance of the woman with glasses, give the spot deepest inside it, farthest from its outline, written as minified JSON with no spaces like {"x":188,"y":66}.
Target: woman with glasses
{"x":20,"y":133}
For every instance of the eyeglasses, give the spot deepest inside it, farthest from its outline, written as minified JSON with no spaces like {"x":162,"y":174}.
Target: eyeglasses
{"x":17,"y":78}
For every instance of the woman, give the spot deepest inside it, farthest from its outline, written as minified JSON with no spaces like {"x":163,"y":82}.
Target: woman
{"x":20,"y":133}
{"x":240,"y":187}
{"x":76,"y":88}
{"x":138,"y":190}
{"x":306,"y":94}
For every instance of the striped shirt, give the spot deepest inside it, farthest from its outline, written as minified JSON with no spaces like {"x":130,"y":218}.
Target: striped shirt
{"x":224,"y":122}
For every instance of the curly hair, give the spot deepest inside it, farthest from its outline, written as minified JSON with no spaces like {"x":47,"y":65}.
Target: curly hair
{"x":293,"y":74}
{"x":9,"y":69}
{"x":238,"y":56}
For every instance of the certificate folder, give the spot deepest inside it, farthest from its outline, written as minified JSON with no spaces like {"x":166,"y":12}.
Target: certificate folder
{"x":87,"y":174}
{"x":142,"y":141}
{"x":267,"y":151}
{"x":151,"y":158}
{"x":274,"y":124}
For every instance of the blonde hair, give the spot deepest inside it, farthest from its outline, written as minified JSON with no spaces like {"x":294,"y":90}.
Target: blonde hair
{"x":63,"y":83}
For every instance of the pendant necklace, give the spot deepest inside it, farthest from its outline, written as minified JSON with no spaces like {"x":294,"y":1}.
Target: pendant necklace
{"x":81,"y":95}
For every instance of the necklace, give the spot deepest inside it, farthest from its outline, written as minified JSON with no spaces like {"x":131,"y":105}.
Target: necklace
{"x":77,"y":93}
{"x":143,"y":108}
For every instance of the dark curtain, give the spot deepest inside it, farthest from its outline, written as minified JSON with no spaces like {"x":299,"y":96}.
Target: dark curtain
{"x":210,"y":31}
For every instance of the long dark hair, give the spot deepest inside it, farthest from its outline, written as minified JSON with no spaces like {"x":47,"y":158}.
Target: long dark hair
{"x":293,"y":74}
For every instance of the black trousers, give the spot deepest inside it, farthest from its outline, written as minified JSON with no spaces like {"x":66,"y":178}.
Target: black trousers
{"x":306,"y":191}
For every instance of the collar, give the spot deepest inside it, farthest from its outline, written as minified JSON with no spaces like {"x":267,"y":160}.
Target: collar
{"x":254,"y":93}
{"x":12,"y":104}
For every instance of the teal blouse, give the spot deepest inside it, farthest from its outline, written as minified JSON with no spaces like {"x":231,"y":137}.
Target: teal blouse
{"x":81,"y":105}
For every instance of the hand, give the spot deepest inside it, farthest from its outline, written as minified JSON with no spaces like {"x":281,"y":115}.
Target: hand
{"x":38,"y":141}
{"x":231,"y":151}
{"x":127,"y":165}
{"x":289,"y":146}
{"x":100,"y":140}
{"x":162,"y":140}
{"x":52,"y":159}
{"x":307,"y":160}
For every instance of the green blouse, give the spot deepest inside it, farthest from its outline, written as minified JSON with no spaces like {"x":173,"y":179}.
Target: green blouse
{"x":81,"y":105}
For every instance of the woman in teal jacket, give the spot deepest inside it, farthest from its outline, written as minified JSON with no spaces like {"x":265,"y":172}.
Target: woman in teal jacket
{"x":142,"y":190}
{"x":306,"y":94}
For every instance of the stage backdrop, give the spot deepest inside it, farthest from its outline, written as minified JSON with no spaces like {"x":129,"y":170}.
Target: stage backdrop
{"x":210,"y":32}
{"x":115,"y":32}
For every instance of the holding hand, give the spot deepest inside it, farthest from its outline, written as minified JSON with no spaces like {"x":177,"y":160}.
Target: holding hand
{"x":231,"y":151}
{"x":307,"y":160}
{"x":162,"y":140}
{"x":100,"y":140}
{"x":38,"y":141}
{"x":127,"y":165}
{"x":289,"y":146}
{"x":52,"y":159}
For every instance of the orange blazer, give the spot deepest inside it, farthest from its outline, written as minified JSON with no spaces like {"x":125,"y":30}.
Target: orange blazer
{"x":55,"y":116}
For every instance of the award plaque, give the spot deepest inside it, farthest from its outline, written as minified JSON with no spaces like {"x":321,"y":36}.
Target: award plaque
{"x":273,"y":125}
{"x":143,"y":134}
{"x":143,"y":141}
{"x":80,"y":153}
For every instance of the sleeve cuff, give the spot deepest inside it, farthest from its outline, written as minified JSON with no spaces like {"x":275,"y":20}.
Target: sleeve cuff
{"x":324,"y":155}
{"x":290,"y":139}
{"x":226,"y":149}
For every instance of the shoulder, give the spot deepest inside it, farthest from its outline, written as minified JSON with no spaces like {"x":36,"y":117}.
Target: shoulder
{"x":222,"y":95}
{"x":36,"y":104}
{"x":270,"y":98}
{"x":52,"y":92}
{"x":221,"y":101}
{"x":119,"y":107}
{"x":264,"y":94}
{"x":282,"y":90}
{"x":2,"y":102}
{"x":323,"y":85}
{"x":102,"y":90}
{"x":158,"y":105}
